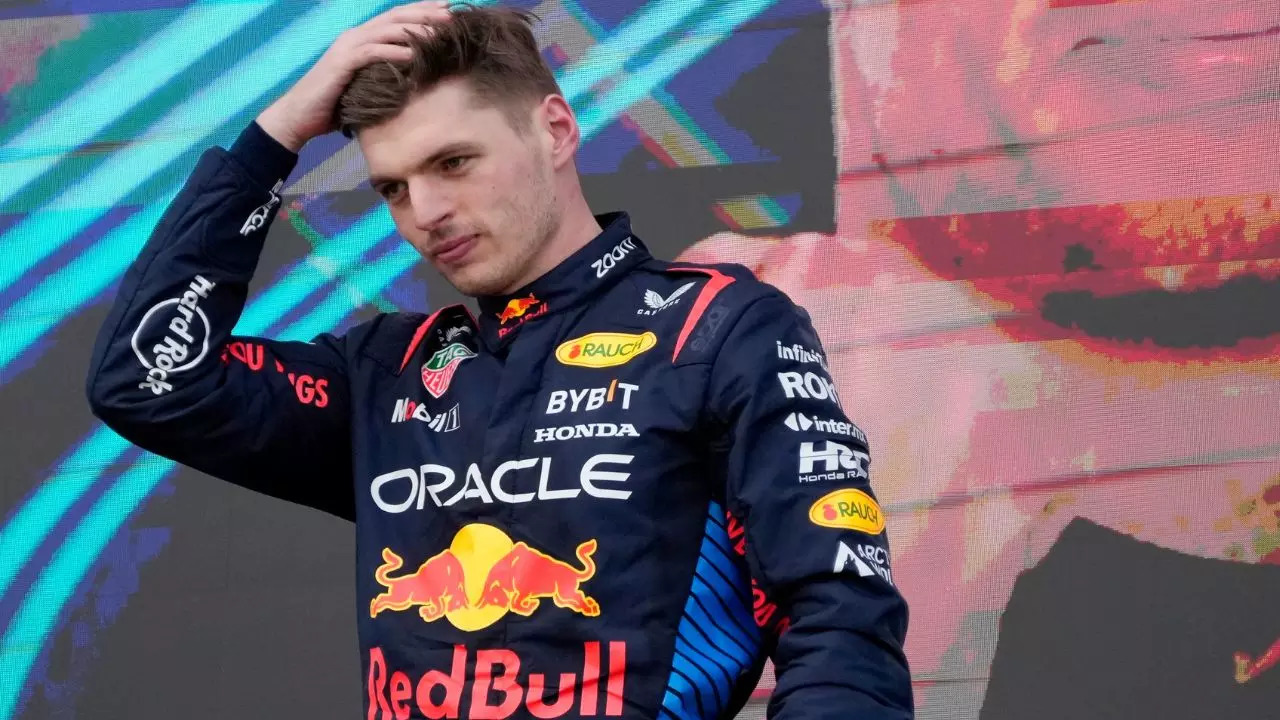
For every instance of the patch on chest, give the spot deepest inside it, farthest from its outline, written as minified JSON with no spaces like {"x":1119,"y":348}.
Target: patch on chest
{"x":438,"y":370}
{"x":604,"y":349}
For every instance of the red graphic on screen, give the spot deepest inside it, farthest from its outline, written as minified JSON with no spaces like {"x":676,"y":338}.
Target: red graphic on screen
{"x":1167,"y":280}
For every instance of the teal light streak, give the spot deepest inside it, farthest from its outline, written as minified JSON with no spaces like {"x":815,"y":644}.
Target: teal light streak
{"x":698,"y":42}
{"x":71,"y":562}
{"x":113,"y":92}
{"x":29,"y":526}
{"x":60,"y":294}
{"x":604,"y":60}
{"x":659,"y":95}
{"x":288,"y":52}
{"x":360,"y":286}
{"x":73,"y":559}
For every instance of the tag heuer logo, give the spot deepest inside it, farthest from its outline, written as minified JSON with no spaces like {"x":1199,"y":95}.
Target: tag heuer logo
{"x":438,"y":371}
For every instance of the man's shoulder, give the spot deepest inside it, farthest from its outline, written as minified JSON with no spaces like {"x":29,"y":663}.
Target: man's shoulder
{"x":731,"y":282}
{"x":718,"y":296}
{"x":384,"y":338}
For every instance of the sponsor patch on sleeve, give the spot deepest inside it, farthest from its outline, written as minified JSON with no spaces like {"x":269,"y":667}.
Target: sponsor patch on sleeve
{"x":850,"y":509}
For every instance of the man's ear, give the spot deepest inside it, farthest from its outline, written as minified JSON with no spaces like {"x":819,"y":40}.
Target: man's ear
{"x":557,"y":120}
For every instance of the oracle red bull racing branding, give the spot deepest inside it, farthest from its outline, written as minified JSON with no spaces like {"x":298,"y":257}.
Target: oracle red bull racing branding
{"x":514,"y":481}
{"x":472,"y":584}
{"x":520,"y":310}
{"x":517,"y":308}
{"x":500,"y":685}
{"x":481,"y":577}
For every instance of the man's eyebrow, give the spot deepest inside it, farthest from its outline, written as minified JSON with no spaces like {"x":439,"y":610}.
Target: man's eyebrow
{"x":454,"y":148}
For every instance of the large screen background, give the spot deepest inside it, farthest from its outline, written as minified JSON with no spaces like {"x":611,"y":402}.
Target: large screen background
{"x":1038,"y":238}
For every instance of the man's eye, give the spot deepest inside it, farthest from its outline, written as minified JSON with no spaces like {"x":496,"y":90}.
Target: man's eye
{"x":454,"y":163}
{"x":391,"y":191}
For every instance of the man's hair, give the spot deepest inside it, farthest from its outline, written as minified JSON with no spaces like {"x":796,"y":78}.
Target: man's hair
{"x":492,"y":48}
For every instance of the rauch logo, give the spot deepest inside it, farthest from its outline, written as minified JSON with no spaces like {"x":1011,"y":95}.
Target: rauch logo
{"x":848,"y":508}
{"x":605,"y":349}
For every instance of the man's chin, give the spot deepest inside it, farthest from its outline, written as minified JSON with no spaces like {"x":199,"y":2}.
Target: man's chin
{"x":472,"y":280}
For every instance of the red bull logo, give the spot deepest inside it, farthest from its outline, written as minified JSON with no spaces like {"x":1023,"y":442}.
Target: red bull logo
{"x":517,"y":308}
{"x":481,"y":577}
{"x":500,"y":693}
{"x":522,"y":310}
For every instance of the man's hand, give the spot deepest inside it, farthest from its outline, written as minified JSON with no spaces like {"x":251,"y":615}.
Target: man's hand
{"x":307,"y":109}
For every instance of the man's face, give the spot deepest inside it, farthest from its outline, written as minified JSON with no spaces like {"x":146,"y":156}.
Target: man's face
{"x":471,"y":193}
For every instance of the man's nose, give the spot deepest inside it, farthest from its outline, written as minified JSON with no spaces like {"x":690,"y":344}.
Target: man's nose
{"x":431,"y":205}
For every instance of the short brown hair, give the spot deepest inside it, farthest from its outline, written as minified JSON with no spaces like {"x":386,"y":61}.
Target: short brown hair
{"x":493,"y":48}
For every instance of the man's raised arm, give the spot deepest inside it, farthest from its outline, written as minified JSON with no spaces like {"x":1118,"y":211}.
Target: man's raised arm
{"x":166,"y":372}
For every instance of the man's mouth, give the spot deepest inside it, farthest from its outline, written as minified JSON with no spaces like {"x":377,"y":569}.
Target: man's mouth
{"x":454,"y":249}
{"x":1171,"y":280}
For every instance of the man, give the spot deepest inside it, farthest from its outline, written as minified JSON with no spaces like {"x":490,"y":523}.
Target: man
{"x":613,"y":494}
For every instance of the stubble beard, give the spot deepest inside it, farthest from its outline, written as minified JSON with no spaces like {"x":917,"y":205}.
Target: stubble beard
{"x":534,"y":220}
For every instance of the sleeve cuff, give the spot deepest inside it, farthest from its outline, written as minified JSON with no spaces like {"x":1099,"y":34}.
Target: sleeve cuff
{"x":262,"y":157}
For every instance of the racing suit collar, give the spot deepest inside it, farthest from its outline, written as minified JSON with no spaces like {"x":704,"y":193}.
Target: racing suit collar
{"x":592,"y":268}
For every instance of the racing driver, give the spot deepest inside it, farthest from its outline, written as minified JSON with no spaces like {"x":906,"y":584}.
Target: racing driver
{"x":614,"y":493}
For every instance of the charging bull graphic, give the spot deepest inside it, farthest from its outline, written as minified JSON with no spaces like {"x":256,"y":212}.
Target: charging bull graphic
{"x":524,"y":575}
{"x":436,"y":586}
{"x":482,"y":576}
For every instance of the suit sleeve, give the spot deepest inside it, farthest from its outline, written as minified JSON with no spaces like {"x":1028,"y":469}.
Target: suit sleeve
{"x":798,"y":493}
{"x":168,"y":375}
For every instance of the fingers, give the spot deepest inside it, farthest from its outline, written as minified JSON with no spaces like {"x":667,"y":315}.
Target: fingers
{"x":392,"y":33}
{"x":370,"y":53}
{"x":390,"y":26}
{"x":422,"y":13}
{"x":385,"y":37}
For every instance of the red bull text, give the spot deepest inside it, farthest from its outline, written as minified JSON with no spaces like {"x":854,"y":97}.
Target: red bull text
{"x":521,"y":310}
{"x":497,"y":688}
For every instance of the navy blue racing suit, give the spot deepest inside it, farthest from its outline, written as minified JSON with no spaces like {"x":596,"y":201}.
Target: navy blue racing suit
{"x":614,"y":494}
